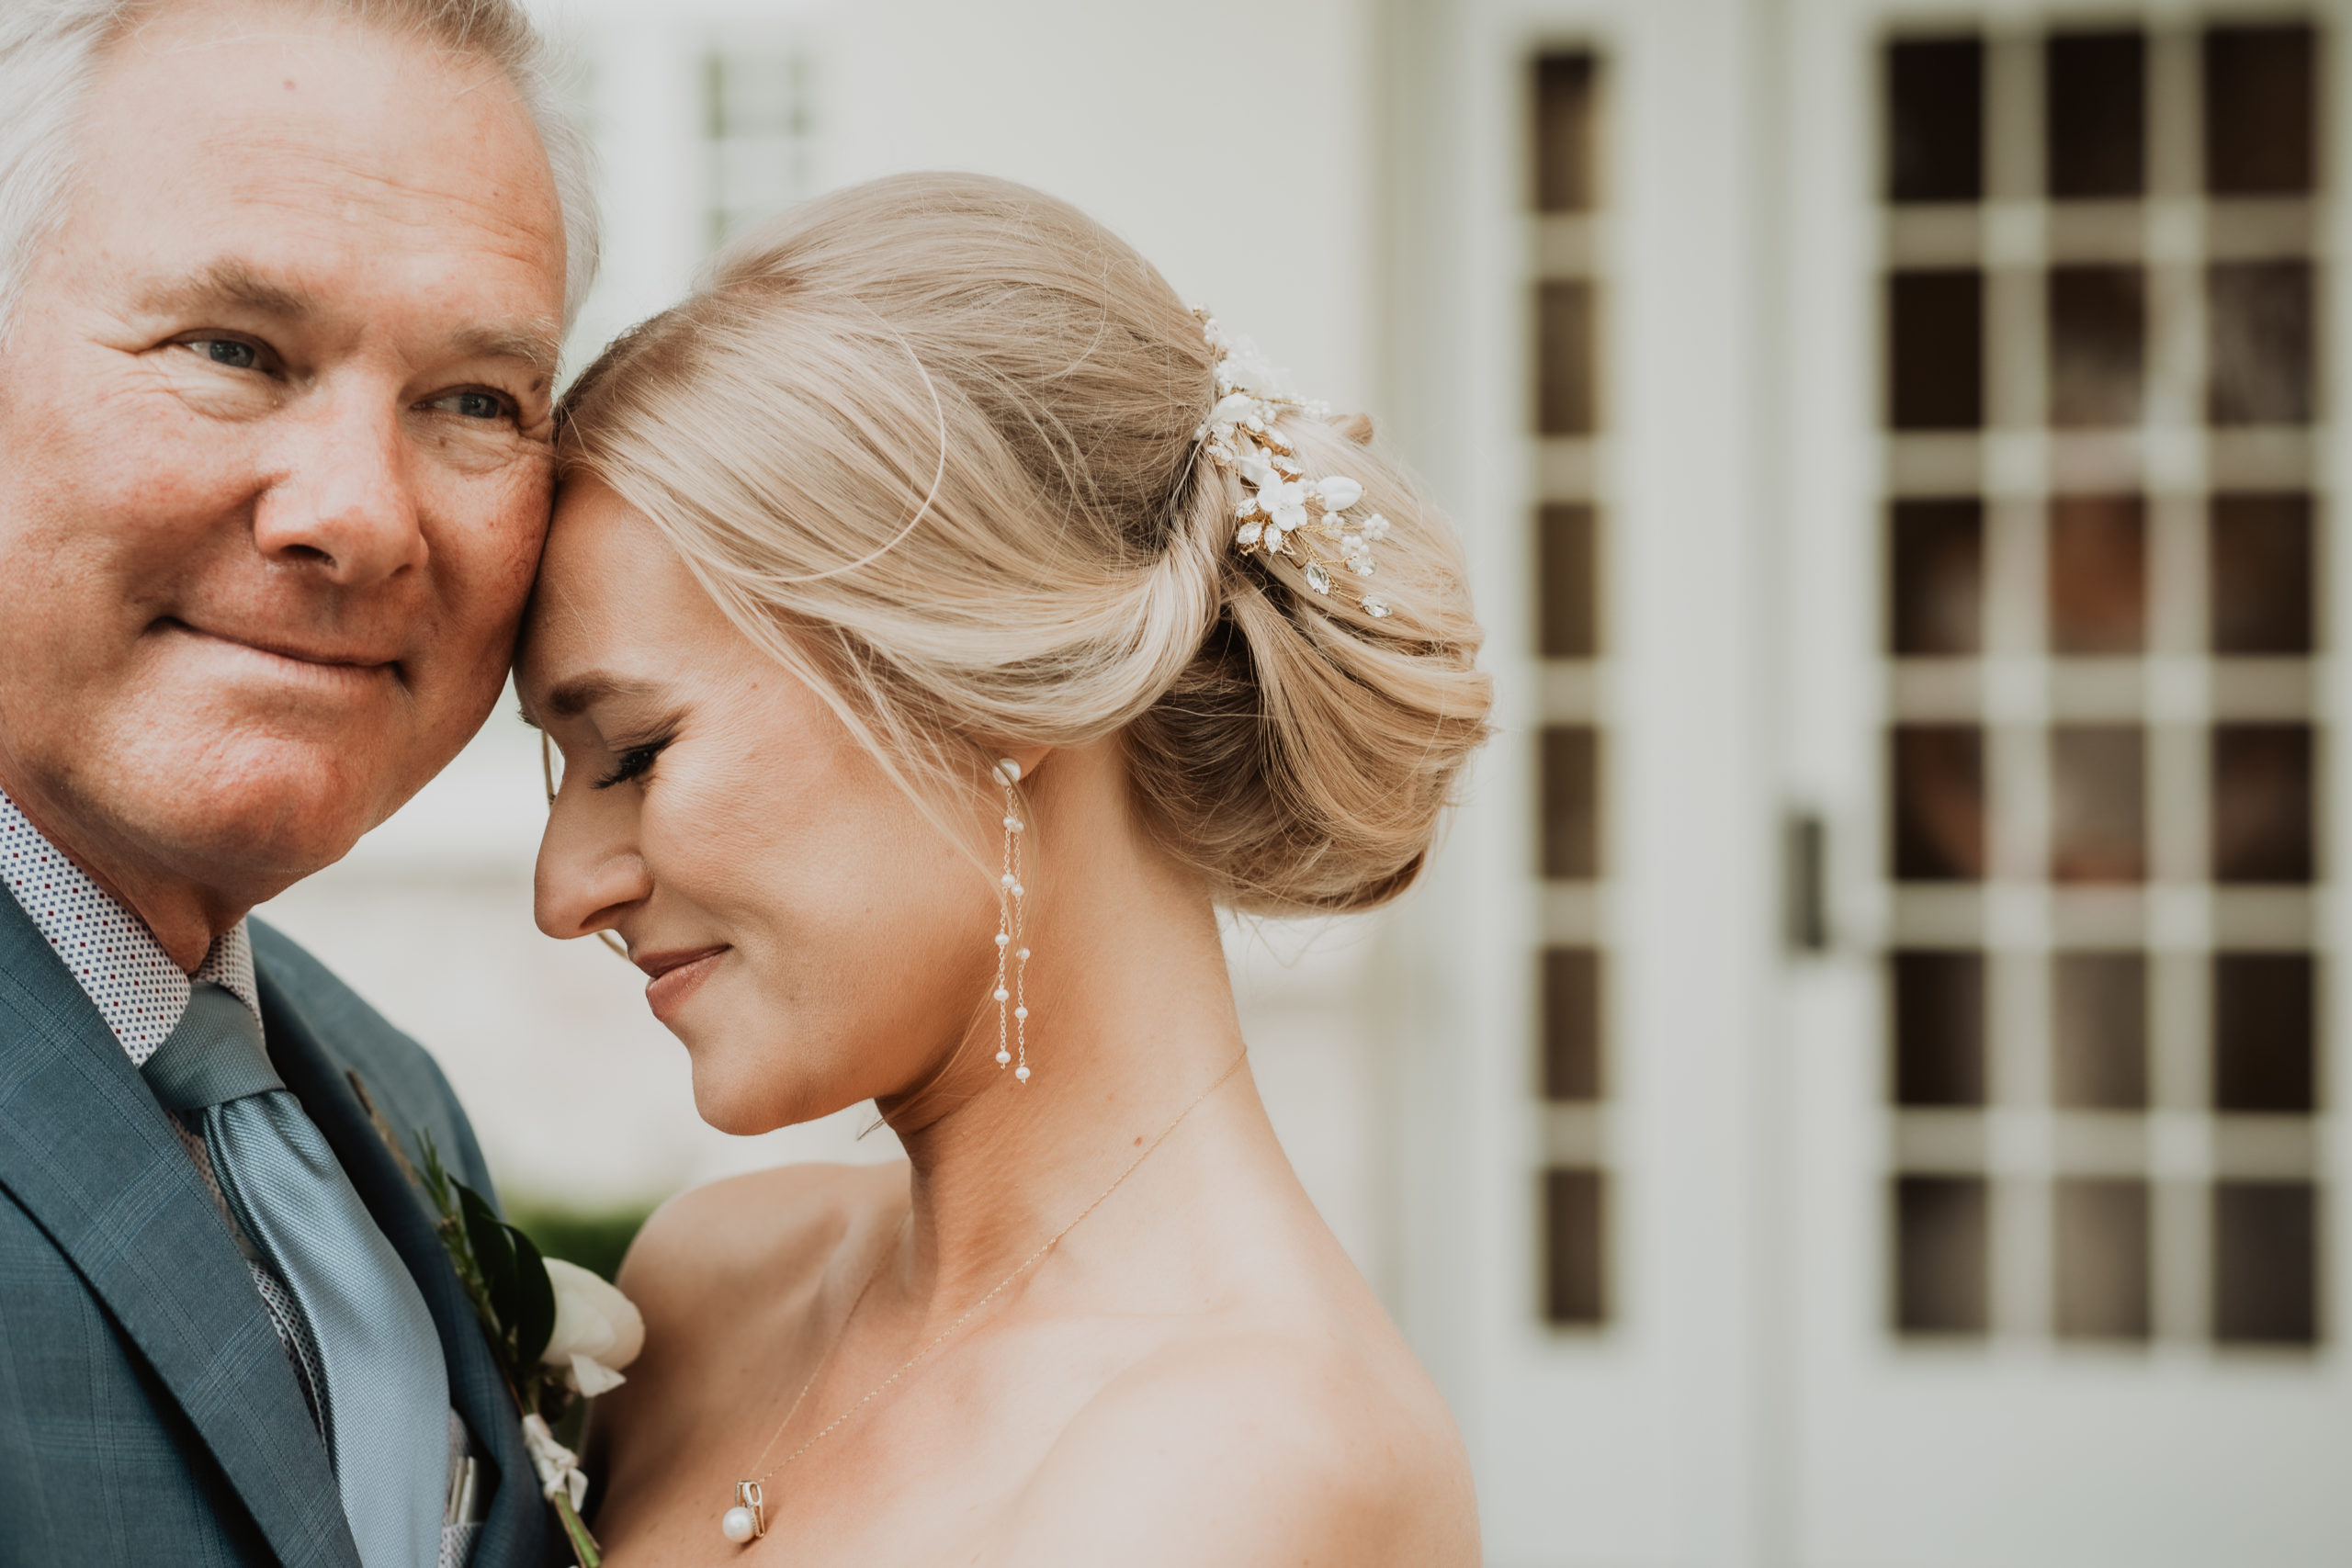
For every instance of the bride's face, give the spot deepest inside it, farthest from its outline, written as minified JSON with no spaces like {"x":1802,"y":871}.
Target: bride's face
{"x":811,"y":938}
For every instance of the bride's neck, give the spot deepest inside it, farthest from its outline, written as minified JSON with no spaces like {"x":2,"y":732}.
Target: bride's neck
{"x":1132,"y":1018}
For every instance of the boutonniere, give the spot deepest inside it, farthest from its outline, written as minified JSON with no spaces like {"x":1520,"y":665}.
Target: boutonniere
{"x":560,"y":1334}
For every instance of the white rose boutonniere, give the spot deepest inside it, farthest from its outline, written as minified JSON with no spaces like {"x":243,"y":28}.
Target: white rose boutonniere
{"x":597,"y":1331}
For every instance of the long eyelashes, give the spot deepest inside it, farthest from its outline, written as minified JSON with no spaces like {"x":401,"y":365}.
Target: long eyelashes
{"x":632,"y":763}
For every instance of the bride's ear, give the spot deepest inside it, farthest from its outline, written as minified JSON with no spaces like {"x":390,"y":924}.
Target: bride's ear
{"x":1026,"y":760}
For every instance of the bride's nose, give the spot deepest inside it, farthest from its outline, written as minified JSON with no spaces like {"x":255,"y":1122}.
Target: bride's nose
{"x":587,"y":879}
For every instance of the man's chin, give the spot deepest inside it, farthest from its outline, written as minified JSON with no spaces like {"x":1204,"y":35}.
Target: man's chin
{"x":250,"y":817}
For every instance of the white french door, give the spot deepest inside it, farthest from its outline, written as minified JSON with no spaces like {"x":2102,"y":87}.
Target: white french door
{"x":1879,"y":1108}
{"x":2065,"y":439}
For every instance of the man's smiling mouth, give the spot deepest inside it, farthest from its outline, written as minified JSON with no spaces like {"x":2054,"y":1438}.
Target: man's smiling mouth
{"x":339,"y":662}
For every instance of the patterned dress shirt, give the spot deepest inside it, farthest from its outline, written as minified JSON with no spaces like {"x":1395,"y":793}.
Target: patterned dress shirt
{"x":142,"y":994}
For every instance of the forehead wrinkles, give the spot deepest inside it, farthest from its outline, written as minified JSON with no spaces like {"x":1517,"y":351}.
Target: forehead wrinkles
{"x":331,"y":189}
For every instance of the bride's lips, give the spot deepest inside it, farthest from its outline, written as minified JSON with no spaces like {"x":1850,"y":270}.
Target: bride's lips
{"x":674,"y":975}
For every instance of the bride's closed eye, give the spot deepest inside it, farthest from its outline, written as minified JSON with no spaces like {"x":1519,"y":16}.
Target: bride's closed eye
{"x":633,"y":763}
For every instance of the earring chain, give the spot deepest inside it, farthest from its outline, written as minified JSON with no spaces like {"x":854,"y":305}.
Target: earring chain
{"x":1011,"y":993}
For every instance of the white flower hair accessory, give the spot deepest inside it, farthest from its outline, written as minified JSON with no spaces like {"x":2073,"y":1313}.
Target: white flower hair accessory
{"x":1288,"y":512}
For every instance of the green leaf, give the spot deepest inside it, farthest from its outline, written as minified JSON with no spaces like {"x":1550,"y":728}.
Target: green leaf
{"x":534,"y":1295}
{"x":437,"y":1176}
{"x":494,"y":1256}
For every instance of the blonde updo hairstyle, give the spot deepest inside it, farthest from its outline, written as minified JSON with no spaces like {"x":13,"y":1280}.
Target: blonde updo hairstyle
{"x":930,"y":443}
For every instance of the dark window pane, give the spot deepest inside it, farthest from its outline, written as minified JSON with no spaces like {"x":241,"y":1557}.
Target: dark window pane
{"x":2099,"y":344}
{"x":2261,"y":330}
{"x":1937,"y":811}
{"x":2095,"y":92}
{"x":2262,"y":803}
{"x":1805,"y":907}
{"x":2101,"y":1246}
{"x":2263,"y":1042}
{"x":1571,"y":1023}
{"x":2099,"y":1028}
{"x":1935,"y":568}
{"x":2098,"y":805}
{"x":2261,"y":573}
{"x":1576,"y":1286}
{"x":1567,"y":132}
{"x":1941,"y":1273}
{"x":1571,"y":797}
{"x":2098,"y":574}
{"x":1568,"y":617}
{"x":1938,"y":1028}
{"x":1935,"y":120}
{"x":2261,"y":90}
{"x":2265,"y":1263}
{"x":1564,"y":389}
{"x":1936,"y":350}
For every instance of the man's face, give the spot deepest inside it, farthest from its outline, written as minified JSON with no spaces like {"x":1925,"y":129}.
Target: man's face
{"x":274,"y":445}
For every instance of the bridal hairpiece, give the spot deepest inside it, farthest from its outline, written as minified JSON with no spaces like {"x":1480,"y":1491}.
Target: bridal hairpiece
{"x":1289,"y":512}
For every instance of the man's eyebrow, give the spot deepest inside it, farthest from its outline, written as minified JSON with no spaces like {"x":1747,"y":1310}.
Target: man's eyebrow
{"x":570,"y":699}
{"x":230,"y":283}
{"x":539,"y":346}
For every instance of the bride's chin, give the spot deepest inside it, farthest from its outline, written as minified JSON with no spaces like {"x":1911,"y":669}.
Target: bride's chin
{"x":723,"y":1118}
{"x":731,"y":1111}
{"x":743,"y":1098}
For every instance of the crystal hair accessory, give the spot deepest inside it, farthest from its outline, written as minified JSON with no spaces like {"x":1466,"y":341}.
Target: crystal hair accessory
{"x":1288,"y":512}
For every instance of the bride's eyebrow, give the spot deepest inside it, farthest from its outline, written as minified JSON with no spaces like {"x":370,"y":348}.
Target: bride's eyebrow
{"x":570,"y":699}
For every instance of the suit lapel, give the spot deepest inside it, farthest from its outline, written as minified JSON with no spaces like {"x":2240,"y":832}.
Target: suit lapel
{"x":85,"y":1150}
{"x":319,"y":1078}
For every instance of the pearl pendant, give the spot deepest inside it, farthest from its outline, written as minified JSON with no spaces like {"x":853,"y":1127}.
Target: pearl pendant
{"x":747,"y":1520}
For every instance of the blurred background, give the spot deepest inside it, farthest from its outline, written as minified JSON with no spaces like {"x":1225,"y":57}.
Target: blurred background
{"x":1856,"y":1085}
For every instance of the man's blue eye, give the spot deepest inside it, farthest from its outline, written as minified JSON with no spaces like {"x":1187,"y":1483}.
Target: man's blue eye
{"x":230,"y":352}
{"x":479,"y":405}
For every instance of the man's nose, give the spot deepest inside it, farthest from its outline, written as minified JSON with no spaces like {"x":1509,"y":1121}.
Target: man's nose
{"x":344,"y":501}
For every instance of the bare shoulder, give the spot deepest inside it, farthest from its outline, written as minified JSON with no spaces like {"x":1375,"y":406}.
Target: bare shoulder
{"x":716,"y":1268}
{"x":1292,"y":1447}
{"x":748,"y":1231}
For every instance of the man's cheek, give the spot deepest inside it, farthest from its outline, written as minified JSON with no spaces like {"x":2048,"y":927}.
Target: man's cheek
{"x":501,"y":575}
{"x":59,"y":638}
{"x":488,"y":534}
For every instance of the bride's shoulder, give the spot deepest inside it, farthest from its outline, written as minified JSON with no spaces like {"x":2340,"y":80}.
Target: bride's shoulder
{"x":752,"y":1232}
{"x":1316,"y":1446}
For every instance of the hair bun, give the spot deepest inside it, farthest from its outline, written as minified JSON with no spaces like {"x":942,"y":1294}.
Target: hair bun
{"x":1304,"y":757}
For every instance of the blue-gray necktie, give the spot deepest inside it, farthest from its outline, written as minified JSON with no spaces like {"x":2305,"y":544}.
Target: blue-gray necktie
{"x":385,"y":1401}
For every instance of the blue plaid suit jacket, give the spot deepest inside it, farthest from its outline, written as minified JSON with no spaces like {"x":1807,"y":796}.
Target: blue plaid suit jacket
{"x":147,"y":1412}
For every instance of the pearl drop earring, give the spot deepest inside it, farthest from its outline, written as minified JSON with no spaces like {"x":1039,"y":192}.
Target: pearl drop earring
{"x":1012,"y":995}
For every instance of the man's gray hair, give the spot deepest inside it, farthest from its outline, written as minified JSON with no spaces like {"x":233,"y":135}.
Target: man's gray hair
{"x":51,"y":51}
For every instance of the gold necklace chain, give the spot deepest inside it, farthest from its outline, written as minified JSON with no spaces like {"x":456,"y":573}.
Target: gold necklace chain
{"x":751,"y":1494}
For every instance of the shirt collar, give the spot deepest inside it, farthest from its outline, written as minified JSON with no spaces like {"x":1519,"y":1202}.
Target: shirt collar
{"x":135,"y":986}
